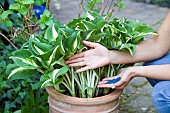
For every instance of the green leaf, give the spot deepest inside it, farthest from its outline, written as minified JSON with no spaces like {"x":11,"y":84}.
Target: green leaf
{"x":45,"y":81}
{"x":8,"y":23}
{"x":74,"y":22}
{"x":23,"y":10}
{"x":15,"y":6}
{"x":22,"y":94}
{"x":91,"y":17}
{"x":52,"y":56}
{"x":137,"y":39}
{"x":54,"y":32}
{"x":89,"y":25}
{"x":38,"y":46}
{"x":5,"y":14}
{"x":57,"y":72}
{"x":51,"y":33}
{"x":26,"y":1}
{"x":145,"y":30}
{"x":46,"y":12}
{"x":23,"y":53}
{"x":42,"y":26}
{"x":28,"y":63}
{"x":72,"y":43}
{"x":10,"y":67}
{"x":130,"y":47}
{"x":23,"y":58}
{"x":21,"y":73}
{"x":39,"y":2}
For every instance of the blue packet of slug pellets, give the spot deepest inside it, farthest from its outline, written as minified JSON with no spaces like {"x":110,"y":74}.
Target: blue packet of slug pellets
{"x":113,"y":81}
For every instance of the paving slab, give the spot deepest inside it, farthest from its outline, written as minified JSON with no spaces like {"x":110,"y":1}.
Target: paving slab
{"x":136,"y":96}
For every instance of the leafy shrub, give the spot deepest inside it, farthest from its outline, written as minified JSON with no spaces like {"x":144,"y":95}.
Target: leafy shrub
{"x":13,"y":93}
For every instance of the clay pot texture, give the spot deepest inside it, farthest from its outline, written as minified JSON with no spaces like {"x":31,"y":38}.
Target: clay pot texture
{"x":59,"y":103}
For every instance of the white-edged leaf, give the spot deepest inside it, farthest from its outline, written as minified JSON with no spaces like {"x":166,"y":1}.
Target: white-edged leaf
{"x":89,"y":16}
{"x":46,"y":83}
{"x":20,"y":73}
{"x":52,"y":56}
{"x":89,"y":34}
{"x":130,"y":47}
{"x":54,"y":32}
{"x":39,"y":50}
{"x":25,"y":62}
{"x":54,"y":73}
{"x":57,"y":72}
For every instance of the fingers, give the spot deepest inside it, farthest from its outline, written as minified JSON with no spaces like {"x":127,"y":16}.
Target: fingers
{"x":90,"y":44}
{"x":106,"y":86}
{"x":82,"y":69}
{"x":110,"y":78}
{"x":102,"y":82}
{"x":77,"y":64}
{"x":74,"y":61}
{"x":79,"y":55}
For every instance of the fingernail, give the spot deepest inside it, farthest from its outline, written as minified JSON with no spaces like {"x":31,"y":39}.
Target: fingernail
{"x":113,"y":87}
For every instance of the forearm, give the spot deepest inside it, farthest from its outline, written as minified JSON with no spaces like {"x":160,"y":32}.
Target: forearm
{"x":147,"y":50}
{"x":160,"y":72}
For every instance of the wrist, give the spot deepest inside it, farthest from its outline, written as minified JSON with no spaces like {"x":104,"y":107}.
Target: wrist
{"x":109,"y":57}
{"x":136,"y":70}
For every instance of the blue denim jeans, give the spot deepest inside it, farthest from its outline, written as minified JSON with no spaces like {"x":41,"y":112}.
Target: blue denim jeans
{"x":161,"y":88}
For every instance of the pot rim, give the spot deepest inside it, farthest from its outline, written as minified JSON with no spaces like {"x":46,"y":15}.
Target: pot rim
{"x":83,"y":101}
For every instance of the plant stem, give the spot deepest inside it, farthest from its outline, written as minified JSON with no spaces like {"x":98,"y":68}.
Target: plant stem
{"x":9,"y":41}
{"x":2,"y":8}
{"x":110,"y":7}
{"x":105,"y":7}
{"x":72,"y":81}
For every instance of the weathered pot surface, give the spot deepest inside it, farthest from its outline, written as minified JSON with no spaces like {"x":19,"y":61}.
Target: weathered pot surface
{"x":60,"y":103}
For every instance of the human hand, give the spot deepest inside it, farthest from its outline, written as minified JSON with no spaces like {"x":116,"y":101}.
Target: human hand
{"x":125,"y":76}
{"x":96,"y":57}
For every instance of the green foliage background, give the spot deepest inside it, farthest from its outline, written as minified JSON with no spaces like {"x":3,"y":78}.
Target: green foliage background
{"x":16,"y":94}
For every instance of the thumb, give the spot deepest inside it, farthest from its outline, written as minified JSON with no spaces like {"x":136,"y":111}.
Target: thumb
{"x":90,"y":44}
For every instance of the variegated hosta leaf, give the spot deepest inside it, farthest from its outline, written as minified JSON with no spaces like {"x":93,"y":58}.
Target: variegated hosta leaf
{"x":130,"y":47}
{"x":45,"y":81}
{"x":57,"y":72}
{"x":23,"y":58}
{"x":95,"y":17}
{"x":89,"y":25}
{"x":49,"y":57}
{"x":21,"y":73}
{"x":137,"y":39}
{"x":74,"y":22}
{"x":51,"y":33}
{"x":61,"y":62}
{"x":52,"y":56}
{"x":25,"y":62}
{"x":38,"y":47}
{"x":91,"y":17}
{"x":145,"y":30}
{"x":23,"y":53}
{"x":73,"y":43}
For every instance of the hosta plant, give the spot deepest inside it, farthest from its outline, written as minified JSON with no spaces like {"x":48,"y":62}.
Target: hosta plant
{"x":47,"y":53}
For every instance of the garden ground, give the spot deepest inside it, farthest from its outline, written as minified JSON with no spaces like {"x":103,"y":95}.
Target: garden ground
{"x":136,"y":96}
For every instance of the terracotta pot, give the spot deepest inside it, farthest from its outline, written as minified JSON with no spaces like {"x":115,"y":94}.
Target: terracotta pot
{"x":60,"y":103}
